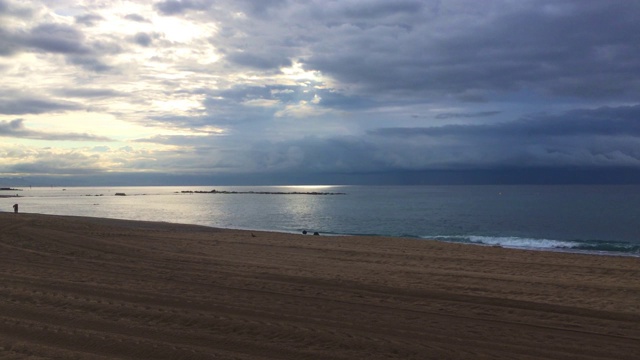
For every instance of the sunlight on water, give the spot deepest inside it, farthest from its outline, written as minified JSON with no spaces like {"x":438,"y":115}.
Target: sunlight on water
{"x":310,"y":187}
{"x":519,"y":216}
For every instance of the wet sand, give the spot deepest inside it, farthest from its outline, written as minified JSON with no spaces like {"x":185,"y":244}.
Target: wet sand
{"x":87,"y":288}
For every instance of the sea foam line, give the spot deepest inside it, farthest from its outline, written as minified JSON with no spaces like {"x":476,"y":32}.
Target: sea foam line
{"x":587,"y":246}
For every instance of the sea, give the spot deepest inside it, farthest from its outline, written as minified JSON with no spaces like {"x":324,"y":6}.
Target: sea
{"x":602,"y":219}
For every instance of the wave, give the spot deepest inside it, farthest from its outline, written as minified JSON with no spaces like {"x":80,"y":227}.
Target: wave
{"x":586,"y":246}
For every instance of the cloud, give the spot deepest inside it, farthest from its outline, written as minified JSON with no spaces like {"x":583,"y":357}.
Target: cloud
{"x":382,"y":9}
{"x":7,"y":45}
{"x":11,"y":8}
{"x":599,"y":137}
{"x":303,"y":110}
{"x":174,"y":7}
{"x":259,"y":61}
{"x":15,"y":128}
{"x":101,"y":149}
{"x":46,"y":161}
{"x":142,"y":39}
{"x":324,"y":86}
{"x":89,"y":19}
{"x":136,"y":18}
{"x":605,"y":121}
{"x":21,"y":106}
{"x":89,"y":93}
{"x":180,"y":140}
{"x":443,"y":50}
{"x":606,"y":137}
{"x":61,"y":39}
{"x":90,"y":63}
{"x":313,"y":154}
{"x":257,"y":8}
{"x":466,"y":115}
{"x":57,"y":38}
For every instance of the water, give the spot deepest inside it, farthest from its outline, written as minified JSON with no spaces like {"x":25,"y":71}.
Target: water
{"x":596,"y":219}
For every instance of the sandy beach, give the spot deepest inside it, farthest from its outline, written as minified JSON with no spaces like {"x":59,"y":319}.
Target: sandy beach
{"x":89,"y":288}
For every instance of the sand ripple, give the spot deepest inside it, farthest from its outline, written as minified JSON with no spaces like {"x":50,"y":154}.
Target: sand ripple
{"x":82,"y":288}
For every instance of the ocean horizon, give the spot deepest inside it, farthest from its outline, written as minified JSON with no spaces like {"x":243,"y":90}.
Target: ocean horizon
{"x":600,"y":219}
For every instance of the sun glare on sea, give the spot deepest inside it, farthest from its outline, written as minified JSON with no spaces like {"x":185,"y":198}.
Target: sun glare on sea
{"x":308,"y":187}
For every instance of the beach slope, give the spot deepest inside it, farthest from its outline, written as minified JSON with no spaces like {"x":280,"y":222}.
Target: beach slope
{"x":88,"y":288}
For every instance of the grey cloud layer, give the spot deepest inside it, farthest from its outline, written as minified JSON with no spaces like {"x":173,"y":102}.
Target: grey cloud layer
{"x":32,"y":106}
{"x":457,"y":48}
{"x":606,"y":121}
{"x":605,"y":136}
{"x":408,"y":84}
{"x":62,"y":39}
{"x":16,"y":128}
{"x":425,"y":50}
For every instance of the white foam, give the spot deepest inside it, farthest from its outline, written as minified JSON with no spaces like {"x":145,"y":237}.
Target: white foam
{"x":509,"y":241}
{"x":518,"y":242}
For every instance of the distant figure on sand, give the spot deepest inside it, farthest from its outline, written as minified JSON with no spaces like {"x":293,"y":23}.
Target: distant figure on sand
{"x":15,"y":208}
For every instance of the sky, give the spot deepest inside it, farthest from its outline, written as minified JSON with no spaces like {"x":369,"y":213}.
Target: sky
{"x":319,"y":91}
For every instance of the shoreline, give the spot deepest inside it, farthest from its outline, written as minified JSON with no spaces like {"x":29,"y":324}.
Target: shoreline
{"x":97,"y":288}
{"x":595,"y":252}
{"x":612,"y":234}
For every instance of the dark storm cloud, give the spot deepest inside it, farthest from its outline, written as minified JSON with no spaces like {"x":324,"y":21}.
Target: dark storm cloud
{"x":15,"y":128}
{"x":605,"y":137}
{"x":469,"y":72}
{"x":605,"y":121}
{"x":531,"y":46}
{"x":382,"y":9}
{"x":335,"y":100}
{"x":466,"y":115}
{"x":316,"y":155}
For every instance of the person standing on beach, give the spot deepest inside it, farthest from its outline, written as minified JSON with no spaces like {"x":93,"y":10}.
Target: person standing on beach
{"x":15,"y":208}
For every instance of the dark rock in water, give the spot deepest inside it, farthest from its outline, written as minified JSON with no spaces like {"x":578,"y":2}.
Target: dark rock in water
{"x":304,"y":232}
{"x":121,"y":194}
{"x":316,"y":233}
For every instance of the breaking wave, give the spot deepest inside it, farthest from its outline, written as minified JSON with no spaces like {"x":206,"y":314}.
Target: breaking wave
{"x":587,"y":246}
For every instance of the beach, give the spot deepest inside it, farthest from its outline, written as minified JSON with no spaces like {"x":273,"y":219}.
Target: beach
{"x":96,"y":288}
